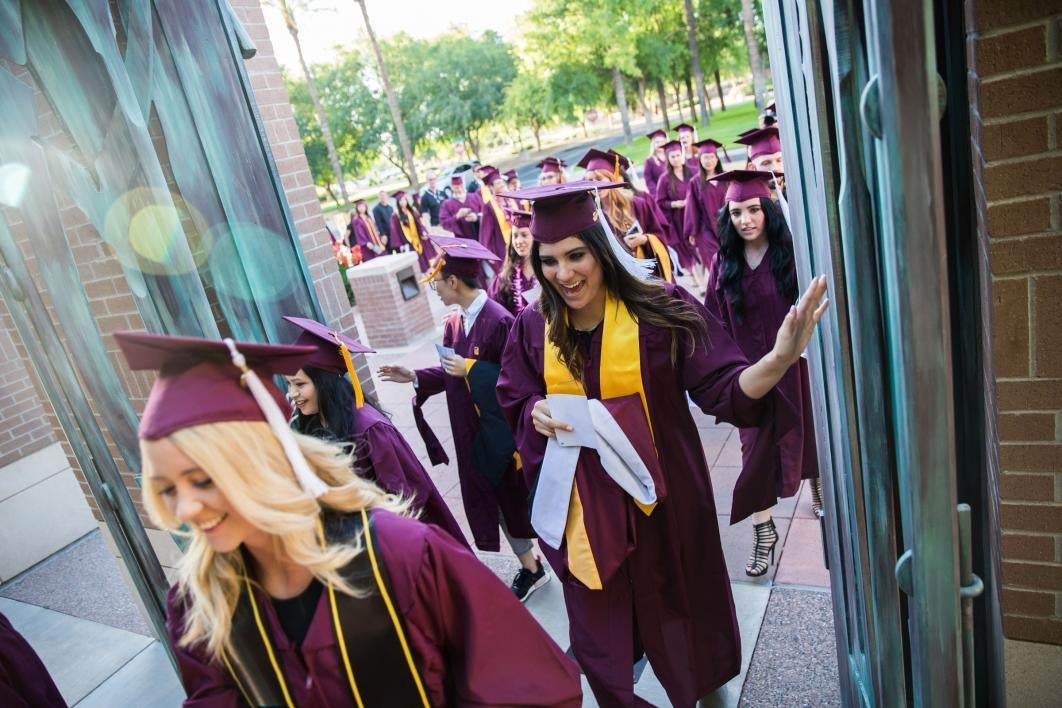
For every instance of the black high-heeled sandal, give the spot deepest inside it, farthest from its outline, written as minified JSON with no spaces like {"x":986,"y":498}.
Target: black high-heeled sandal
{"x":766,"y":536}
{"x":816,"y":497}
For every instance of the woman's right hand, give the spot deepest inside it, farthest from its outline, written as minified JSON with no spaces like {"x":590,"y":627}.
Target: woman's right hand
{"x":544,"y":423}
{"x":397,"y":374}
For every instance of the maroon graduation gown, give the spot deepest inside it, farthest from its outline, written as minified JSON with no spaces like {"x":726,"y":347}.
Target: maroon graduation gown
{"x":364,"y":227}
{"x":381,"y":450}
{"x":674,"y":217}
{"x":651,"y":173}
{"x":510,"y":303}
{"x":671,"y":591}
{"x":771,"y":468}
{"x":702,"y":209}
{"x":482,"y":500}
{"x":490,"y":231}
{"x":398,"y":239}
{"x":24,"y":680}
{"x":472,"y":641}
{"x":460,"y":227}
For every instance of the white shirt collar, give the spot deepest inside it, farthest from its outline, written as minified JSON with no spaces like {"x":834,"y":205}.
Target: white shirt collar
{"x":469,"y":315}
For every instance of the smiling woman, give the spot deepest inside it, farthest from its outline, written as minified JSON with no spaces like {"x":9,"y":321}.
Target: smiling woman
{"x":296,"y":565}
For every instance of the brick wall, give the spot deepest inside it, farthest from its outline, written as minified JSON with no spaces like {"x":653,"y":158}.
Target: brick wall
{"x":24,"y":424}
{"x":1015,"y":79}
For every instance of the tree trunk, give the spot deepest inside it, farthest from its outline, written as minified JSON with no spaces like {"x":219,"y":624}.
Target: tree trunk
{"x":538,"y":141}
{"x":392,"y":101}
{"x":621,"y":101}
{"x":678,"y":101}
{"x":473,"y":145}
{"x":693,"y":101}
{"x":586,"y":133}
{"x":695,"y":60}
{"x":318,"y":107}
{"x":645,"y":106}
{"x":759,"y":83}
{"x":719,"y":88}
{"x":662,"y":96}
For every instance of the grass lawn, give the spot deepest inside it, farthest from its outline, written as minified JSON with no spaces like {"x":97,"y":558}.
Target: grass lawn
{"x":725,"y":127}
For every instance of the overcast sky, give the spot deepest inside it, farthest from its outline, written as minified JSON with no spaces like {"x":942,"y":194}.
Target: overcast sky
{"x":339,"y":22}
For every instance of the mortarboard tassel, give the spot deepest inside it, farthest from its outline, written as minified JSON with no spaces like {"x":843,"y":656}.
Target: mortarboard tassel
{"x":309,"y":481}
{"x":439,"y":263}
{"x":359,"y":395}
{"x":641,"y":268}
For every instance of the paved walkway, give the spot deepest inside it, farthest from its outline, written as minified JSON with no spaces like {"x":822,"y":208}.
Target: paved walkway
{"x":76,"y":610}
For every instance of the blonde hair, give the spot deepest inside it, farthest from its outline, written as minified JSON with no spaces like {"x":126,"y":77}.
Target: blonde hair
{"x":618,"y":204}
{"x":247,"y":464}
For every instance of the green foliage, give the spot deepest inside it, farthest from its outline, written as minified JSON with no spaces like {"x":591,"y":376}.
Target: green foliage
{"x":529,"y":102}
{"x":575,"y":88}
{"x":725,"y":128}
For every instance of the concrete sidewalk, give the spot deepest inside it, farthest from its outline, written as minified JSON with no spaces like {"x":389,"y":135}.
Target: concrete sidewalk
{"x":77,"y":612}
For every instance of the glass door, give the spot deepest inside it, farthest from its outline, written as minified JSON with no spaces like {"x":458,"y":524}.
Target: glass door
{"x":863,"y":175}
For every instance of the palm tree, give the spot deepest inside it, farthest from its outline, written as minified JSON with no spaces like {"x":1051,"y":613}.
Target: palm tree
{"x":392,"y":101}
{"x":287,"y":10}
{"x":695,"y":59}
{"x":759,"y":83}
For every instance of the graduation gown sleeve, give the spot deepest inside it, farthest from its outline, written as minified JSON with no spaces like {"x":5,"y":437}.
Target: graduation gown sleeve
{"x":520,"y":385}
{"x":207,"y":684}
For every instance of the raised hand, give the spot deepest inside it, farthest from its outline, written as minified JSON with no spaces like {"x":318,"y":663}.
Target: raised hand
{"x":797,"y":327}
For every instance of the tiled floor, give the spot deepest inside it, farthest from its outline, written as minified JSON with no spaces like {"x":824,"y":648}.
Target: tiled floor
{"x":101,"y":663}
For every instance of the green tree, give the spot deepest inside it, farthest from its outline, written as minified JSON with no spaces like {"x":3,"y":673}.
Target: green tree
{"x":575,"y":89}
{"x":529,"y":101}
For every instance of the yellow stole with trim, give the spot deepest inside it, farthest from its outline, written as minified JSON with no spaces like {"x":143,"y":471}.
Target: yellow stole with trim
{"x":409,"y":230}
{"x":371,"y":226}
{"x":621,"y":375}
{"x":499,"y":215}
{"x":660,"y":252}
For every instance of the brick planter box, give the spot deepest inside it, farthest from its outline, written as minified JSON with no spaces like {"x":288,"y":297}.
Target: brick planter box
{"x":393,"y":305}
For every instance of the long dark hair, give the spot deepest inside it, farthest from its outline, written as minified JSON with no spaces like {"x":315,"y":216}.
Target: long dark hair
{"x":648,"y":302}
{"x":672,"y":180}
{"x":779,"y":250}
{"x":334,"y":419}
{"x":704,"y":173}
{"x":413,"y":213}
{"x":513,"y":262}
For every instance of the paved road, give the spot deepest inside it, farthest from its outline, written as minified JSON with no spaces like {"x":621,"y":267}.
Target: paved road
{"x":528,"y":172}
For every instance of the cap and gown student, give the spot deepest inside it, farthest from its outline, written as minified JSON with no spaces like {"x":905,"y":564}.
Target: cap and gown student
{"x":512,"y":180}
{"x":494,"y":230}
{"x":672,"y":190}
{"x":769,"y":116}
{"x":631,"y":214}
{"x":687,"y":136}
{"x":363,"y":226}
{"x":492,"y":491}
{"x":24,"y":679}
{"x":752,"y":286}
{"x":516,"y":276}
{"x":703,"y":203}
{"x":459,"y":214}
{"x":303,"y":584}
{"x":408,"y":231}
{"x":551,"y":171}
{"x":330,"y":407}
{"x":637,"y":577}
{"x":656,"y":162}
{"x":765,"y":152}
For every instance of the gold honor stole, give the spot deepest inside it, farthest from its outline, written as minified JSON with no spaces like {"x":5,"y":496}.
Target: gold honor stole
{"x":373,"y":234}
{"x":499,"y":215}
{"x":660,"y":251}
{"x":410,"y":232}
{"x":620,"y":349}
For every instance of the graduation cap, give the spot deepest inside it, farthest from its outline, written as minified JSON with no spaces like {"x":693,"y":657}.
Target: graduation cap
{"x":457,"y":181}
{"x":517,"y":211}
{"x":595,"y":159}
{"x":562,"y":210}
{"x":511,"y":175}
{"x":624,"y":163}
{"x":399,"y":194}
{"x":771,"y":108}
{"x":551,"y":164}
{"x":672,"y":146}
{"x":742,"y":185}
{"x":360,"y":201}
{"x":462,"y":257}
{"x":762,"y":141}
{"x":658,"y":133}
{"x":709,"y":146}
{"x":204,"y":381}
{"x":684,"y":128}
{"x":332,"y":351}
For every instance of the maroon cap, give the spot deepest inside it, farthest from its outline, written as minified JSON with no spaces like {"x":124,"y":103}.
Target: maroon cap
{"x":624,"y":163}
{"x":457,"y":180}
{"x":491,"y":175}
{"x":562,"y":210}
{"x":658,"y":133}
{"x":551,"y":164}
{"x":595,"y":159}
{"x":511,"y":175}
{"x":517,"y":211}
{"x":672,"y":146}
{"x":684,"y":128}
{"x":762,"y":141}
{"x":325,"y":341}
{"x":360,"y":201}
{"x":459,"y":256}
{"x":399,"y":194}
{"x":771,"y":108}
{"x":198,"y":383}
{"x":742,"y":185}
{"x":707,"y":146}
{"x":750,"y":131}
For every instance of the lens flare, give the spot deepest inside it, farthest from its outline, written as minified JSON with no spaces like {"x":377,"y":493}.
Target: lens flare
{"x":14,"y":181}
